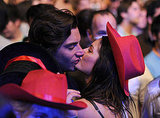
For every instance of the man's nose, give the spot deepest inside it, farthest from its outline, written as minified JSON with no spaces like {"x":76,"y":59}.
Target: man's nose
{"x":80,"y":51}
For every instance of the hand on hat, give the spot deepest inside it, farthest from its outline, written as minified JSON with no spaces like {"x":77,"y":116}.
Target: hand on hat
{"x":71,"y":96}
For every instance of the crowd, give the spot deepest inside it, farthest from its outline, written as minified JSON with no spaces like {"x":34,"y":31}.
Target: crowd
{"x":79,"y":58}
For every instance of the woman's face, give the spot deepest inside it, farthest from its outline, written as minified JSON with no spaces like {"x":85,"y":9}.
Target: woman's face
{"x":91,"y":55}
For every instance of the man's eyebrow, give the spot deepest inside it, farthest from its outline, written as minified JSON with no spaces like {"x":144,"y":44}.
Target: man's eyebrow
{"x":70,"y":44}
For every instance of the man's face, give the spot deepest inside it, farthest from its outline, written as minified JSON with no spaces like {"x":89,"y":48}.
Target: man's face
{"x":68,"y":55}
{"x":133,"y":13}
{"x":99,"y":25}
{"x":10,"y":30}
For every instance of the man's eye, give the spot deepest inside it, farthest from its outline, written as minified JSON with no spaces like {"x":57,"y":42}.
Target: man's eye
{"x":71,"y":47}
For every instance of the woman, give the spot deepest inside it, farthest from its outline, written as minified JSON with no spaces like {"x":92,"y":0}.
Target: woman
{"x":109,"y":63}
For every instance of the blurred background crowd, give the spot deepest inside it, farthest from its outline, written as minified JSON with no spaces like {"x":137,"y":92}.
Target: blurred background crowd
{"x":129,"y":17}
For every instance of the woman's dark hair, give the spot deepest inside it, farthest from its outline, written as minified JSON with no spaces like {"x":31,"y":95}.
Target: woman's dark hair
{"x":105,"y":87}
{"x":52,"y":28}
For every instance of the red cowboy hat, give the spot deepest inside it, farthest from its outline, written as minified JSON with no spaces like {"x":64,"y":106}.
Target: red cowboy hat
{"x":42,"y":87}
{"x":128,"y":56}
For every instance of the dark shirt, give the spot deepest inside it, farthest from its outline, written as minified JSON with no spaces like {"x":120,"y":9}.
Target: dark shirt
{"x":145,"y":43}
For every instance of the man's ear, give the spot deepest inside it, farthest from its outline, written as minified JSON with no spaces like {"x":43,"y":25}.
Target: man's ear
{"x":18,"y":22}
{"x":89,"y":35}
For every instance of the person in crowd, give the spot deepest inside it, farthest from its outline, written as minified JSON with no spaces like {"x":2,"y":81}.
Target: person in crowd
{"x":64,"y":4}
{"x":3,"y":22}
{"x":98,"y":27}
{"x":84,"y":18}
{"x":36,"y":10}
{"x":145,"y":39}
{"x":43,"y":94}
{"x":12,"y":31}
{"x":151,"y":107}
{"x":152,"y":59}
{"x":113,"y":6}
{"x":142,"y":23}
{"x":15,"y":2}
{"x":128,"y":16}
{"x":36,"y":2}
{"x":22,"y":9}
{"x":109,"y":65}
{"x":79,"y":5}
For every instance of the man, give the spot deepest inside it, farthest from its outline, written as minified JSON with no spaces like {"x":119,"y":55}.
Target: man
{"x":12,"y":31}
{"x":97,"y":25}
{"x":99,"y":21}
{"x":128,"y":16}
{"x":84,"y":18}
{"x":57,"y":32}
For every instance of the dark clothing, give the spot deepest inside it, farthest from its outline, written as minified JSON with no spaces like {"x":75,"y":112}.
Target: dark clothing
{"x":145,"y":43}
{"x":17,"y":70}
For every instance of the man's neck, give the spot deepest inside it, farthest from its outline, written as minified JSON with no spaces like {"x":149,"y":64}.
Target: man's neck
{"x":127,"y":27}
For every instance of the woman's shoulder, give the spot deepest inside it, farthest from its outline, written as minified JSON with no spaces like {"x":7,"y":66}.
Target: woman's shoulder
{"x":88,"y":112}
{"x":91,"y":112}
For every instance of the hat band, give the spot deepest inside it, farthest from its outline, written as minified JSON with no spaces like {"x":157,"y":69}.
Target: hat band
{"x":26,"y":58}
{"x":50,"y":98}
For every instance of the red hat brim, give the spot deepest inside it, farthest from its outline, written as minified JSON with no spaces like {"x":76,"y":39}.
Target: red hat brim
{"x":17,"y":93}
